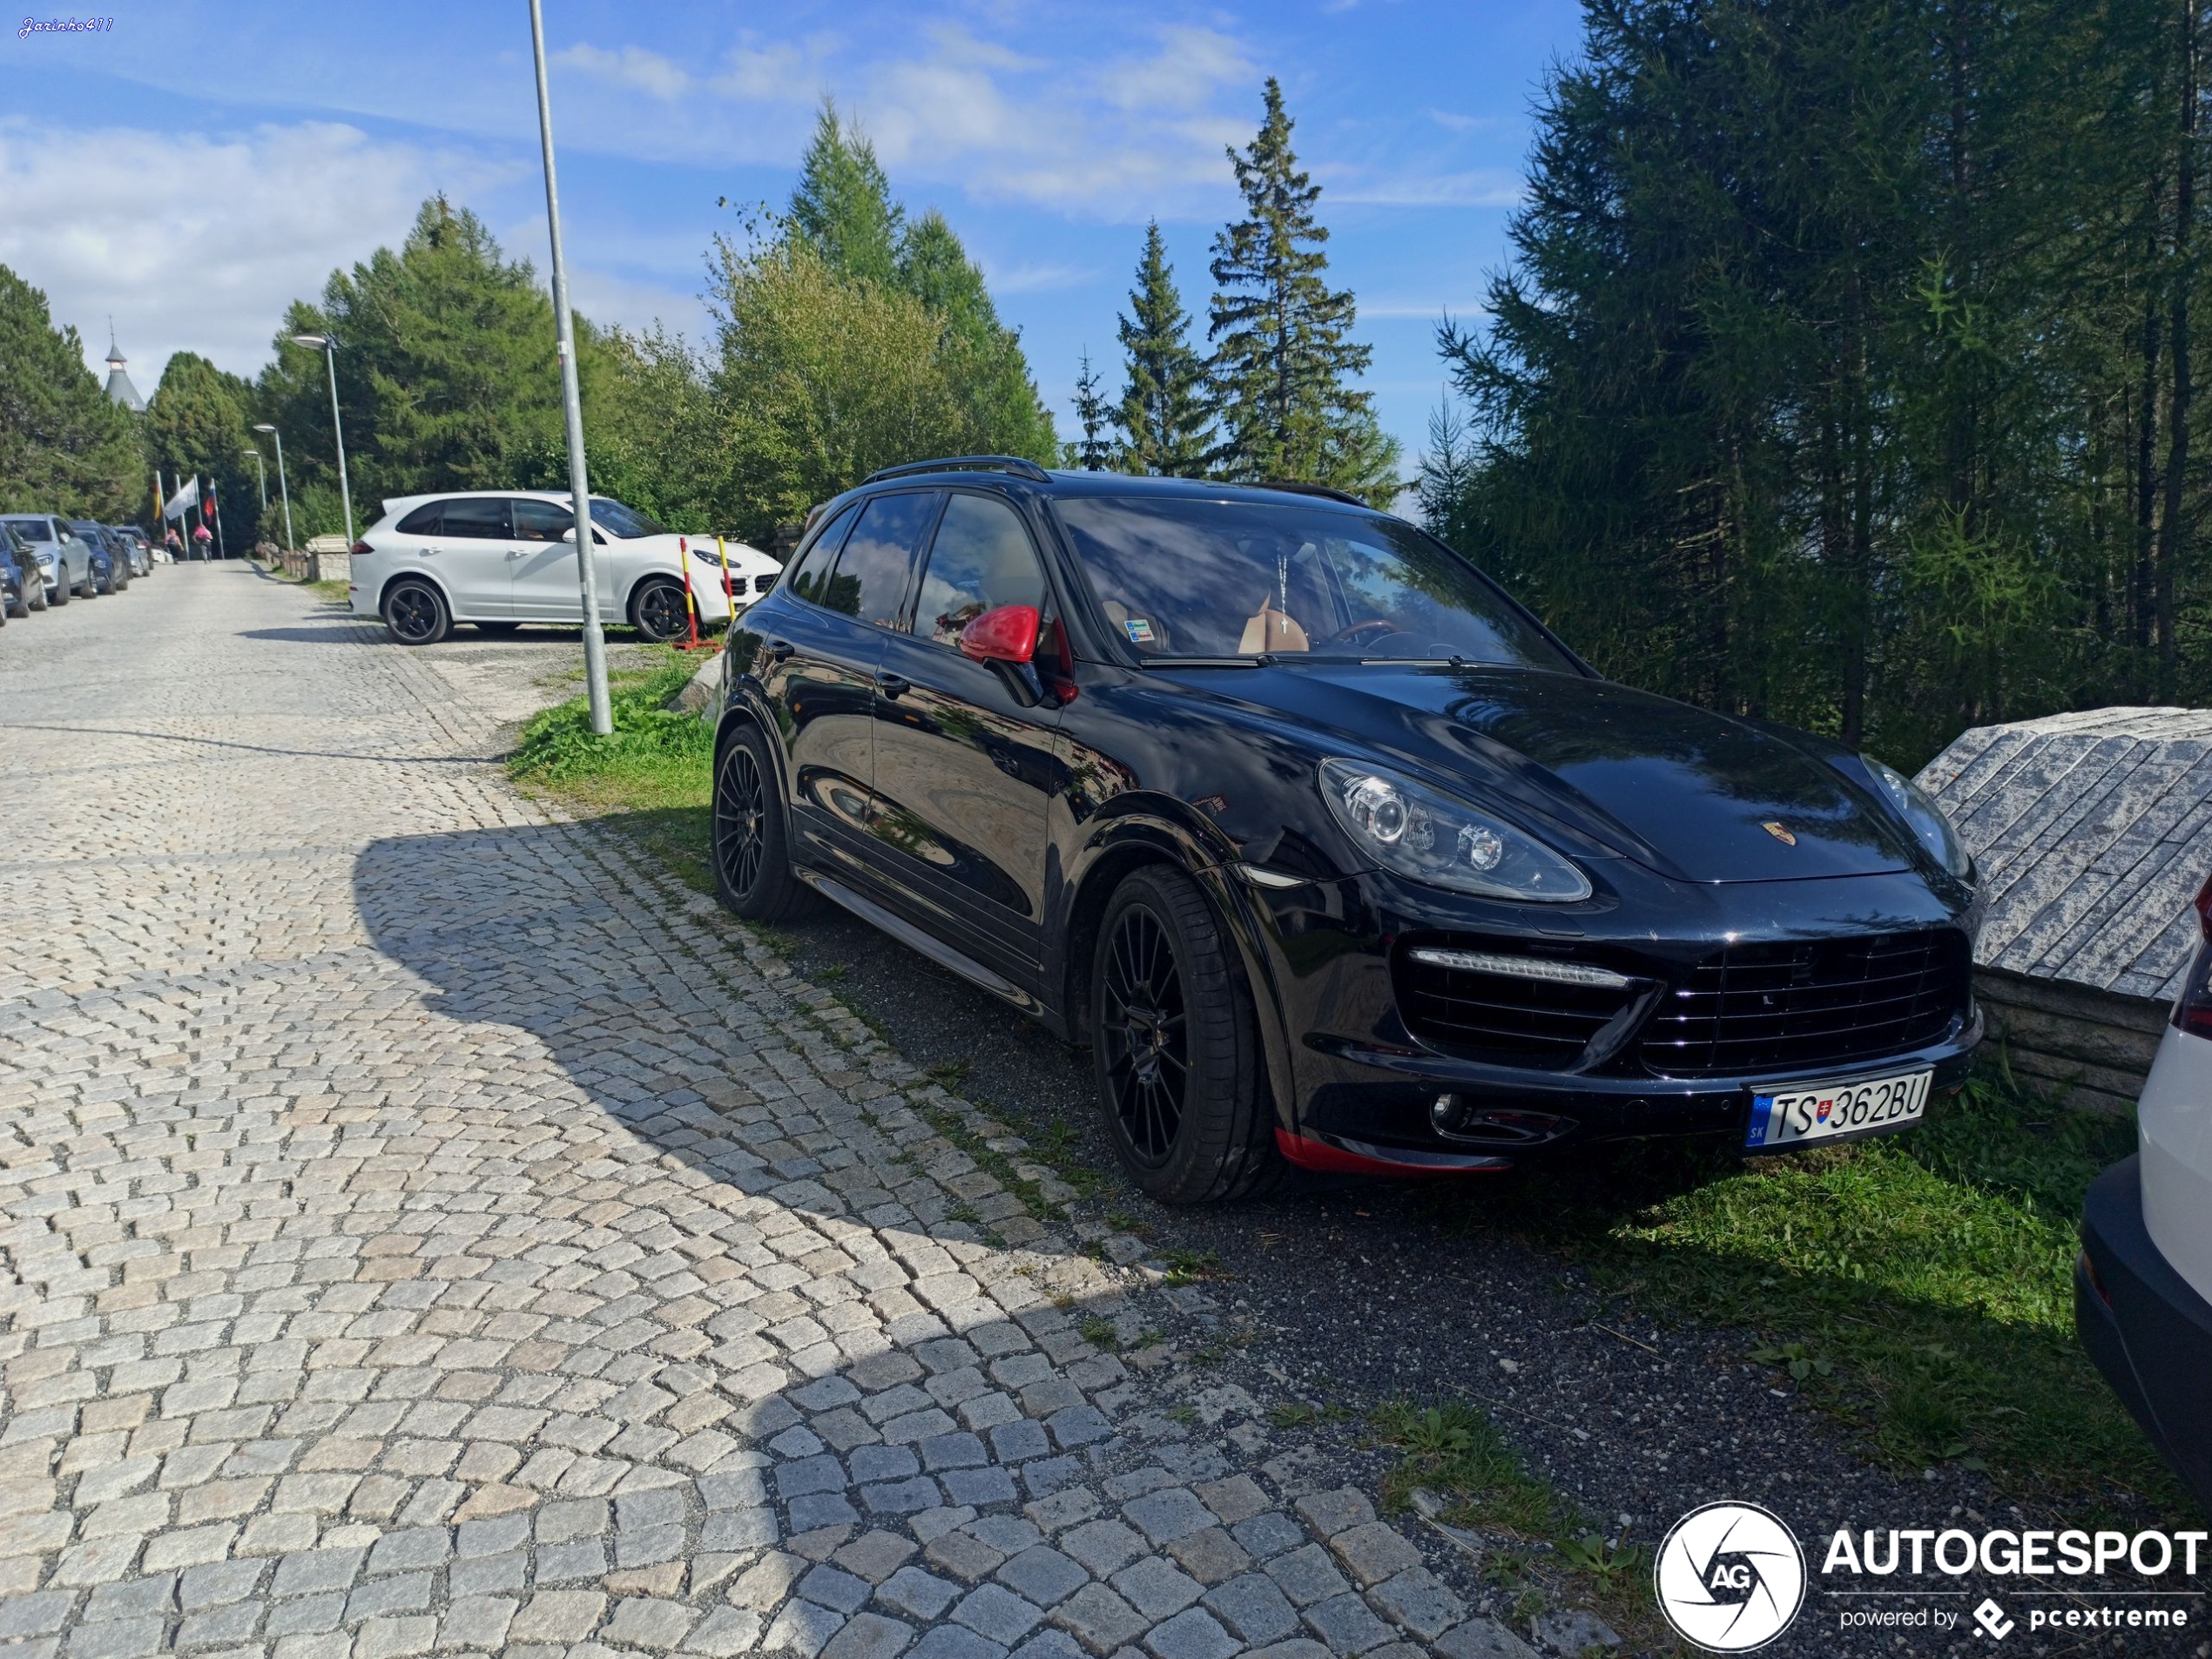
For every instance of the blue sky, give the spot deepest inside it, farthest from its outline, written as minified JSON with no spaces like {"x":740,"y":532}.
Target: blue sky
{"x":215,"y":161}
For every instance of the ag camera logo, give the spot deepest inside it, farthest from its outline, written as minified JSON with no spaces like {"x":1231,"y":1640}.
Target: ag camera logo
{"x":1730,"y":1577}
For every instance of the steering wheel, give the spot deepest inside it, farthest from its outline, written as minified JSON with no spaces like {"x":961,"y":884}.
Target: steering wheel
{"x":1373,"y":625}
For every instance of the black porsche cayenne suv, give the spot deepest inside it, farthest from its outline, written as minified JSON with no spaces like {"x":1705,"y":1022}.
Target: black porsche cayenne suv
{"x":1334,"y":854}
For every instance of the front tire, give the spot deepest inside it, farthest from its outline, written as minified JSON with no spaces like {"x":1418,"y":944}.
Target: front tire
{"x":416,"y":613}
{"x":751,"y":846}
{"x":1175,"y":1047}
{"x":657,"y":611}
{"x":59,"y":594}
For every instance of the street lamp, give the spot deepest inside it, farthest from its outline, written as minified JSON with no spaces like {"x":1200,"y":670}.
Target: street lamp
{"x":594,"y":659}
{"x":329,"y":349}
{"x":261,"y":472}
{"x":283,"y":488}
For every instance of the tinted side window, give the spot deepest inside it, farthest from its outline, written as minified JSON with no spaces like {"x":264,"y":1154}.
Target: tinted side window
{"x":477,"y":520}
{"x":423,"y":521}
{"x":871,"y":579}
{"x":981,"y":559}
{"x":810,"y":576}
{"x":539,"y":521}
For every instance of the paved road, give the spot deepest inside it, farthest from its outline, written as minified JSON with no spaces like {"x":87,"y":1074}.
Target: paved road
{"x":424,"y":1231}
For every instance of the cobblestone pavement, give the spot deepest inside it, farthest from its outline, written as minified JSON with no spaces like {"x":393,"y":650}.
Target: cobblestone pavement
{"x":425,"y":1233}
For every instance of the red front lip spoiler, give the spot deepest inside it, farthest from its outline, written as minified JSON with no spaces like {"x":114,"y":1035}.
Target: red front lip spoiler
{"x":1339,"y":1156}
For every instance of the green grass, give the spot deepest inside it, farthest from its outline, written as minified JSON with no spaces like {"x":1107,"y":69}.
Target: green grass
{"x":651,"y":778}
{"x":331,"y":593}
{"x":1456,"y":1451}
{"x":1918,"y":1288}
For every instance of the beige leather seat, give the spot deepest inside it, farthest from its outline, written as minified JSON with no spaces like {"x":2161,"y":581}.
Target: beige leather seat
{"x":1268,"y":629}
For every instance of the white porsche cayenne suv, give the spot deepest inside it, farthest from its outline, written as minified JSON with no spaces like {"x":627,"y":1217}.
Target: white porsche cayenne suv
{"x":498,"y":558}
{"x":2142,"y":1288}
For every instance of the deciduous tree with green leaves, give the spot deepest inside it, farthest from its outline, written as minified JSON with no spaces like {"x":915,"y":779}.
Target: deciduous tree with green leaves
{"x":1284,"y":362}
{"x":198,"y":423}
{"x":1162,"y":416}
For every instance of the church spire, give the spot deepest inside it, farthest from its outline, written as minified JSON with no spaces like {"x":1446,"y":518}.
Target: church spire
{"x":119,"y":390}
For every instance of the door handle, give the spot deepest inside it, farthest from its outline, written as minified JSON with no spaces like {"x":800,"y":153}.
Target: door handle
{"x":779,"y":651}
{"x":891,"y":685}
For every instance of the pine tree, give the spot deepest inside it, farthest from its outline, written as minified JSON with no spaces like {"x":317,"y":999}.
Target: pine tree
{"x":841,"y":207}
{"x":64,"y":446}
{"x":1162,"y":414}
{"x":1092,"y":453}
{"x":1284,"y":357}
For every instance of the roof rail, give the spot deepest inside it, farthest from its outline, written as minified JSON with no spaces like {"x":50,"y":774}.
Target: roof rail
{"x":1329,"y":490}
{"x":1015,"y":464}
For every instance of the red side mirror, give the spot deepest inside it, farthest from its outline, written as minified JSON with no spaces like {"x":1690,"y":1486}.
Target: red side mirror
{"x":1005,"y":634}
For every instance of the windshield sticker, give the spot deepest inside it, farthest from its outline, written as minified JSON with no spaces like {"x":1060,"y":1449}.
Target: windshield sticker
{"x":1140,"y":630}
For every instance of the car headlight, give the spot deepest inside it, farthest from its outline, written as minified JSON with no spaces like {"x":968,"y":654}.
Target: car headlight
{"x":1927,"y":818}
{"x":1423,"y":834}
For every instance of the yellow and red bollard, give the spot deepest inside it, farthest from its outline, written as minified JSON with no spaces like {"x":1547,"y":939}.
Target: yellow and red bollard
{"x":692,"y":642}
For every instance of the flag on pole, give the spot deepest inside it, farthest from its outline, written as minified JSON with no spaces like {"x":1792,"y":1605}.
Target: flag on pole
{"x":185,"y":497}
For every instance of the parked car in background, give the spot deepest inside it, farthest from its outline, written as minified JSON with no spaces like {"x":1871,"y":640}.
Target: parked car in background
{"x":1334,"y":853}
{"x":65,"y":559}
{"x":2142,"y":1287}
{"x":498,"y":558}
{"x":13,"y":582}
{"x":141,"y":550}
{"x":111,"y":560}
{"x":26,"y":587}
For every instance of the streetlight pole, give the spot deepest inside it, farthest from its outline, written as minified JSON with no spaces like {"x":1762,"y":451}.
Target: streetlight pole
{"x":595,"y":653}
{"x":283,"y":489}
{"x":337,"y":428}
{"x":261,"y":471}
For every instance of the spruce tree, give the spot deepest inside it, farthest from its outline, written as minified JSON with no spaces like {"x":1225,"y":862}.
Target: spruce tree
{"x":1284,"y":359}
{"x":1092,"y":452}
{"x":841,"y":207}
{"x":1162,"y":414}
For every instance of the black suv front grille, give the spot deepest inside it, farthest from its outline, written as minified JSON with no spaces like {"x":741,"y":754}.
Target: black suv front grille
{"x":1786,"y":1007}
{"x":1501,"y":1018}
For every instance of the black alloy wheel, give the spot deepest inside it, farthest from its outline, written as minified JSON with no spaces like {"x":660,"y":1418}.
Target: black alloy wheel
{"x":1146,"y":1036}
{"x":415,"y":612}
{"x":1176,"y":1048}
{"x":752,"y":869}
{"x":659,"y":611}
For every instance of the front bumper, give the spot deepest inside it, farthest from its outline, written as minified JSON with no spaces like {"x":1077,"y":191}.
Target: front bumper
{"x":1363,"y":1084}
{"x":2145,"y":1328}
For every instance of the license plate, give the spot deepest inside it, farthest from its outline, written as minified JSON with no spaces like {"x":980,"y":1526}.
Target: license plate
{"x":1798,"y":1114}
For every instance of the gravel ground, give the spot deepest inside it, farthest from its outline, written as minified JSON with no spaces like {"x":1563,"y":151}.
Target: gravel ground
{"x":1362,"y":1295}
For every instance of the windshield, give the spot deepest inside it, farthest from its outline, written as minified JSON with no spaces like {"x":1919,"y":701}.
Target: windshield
{"x":625,"y":521}
{"x":1200,"y":579}
{"x":32,"y":529}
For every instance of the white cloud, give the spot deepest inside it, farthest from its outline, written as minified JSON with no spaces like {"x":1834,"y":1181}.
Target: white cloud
{"x":632,"y":66}
{"x":1141,"y":132}
{"x":197,"y":243}
{"x":1036,"y":279}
